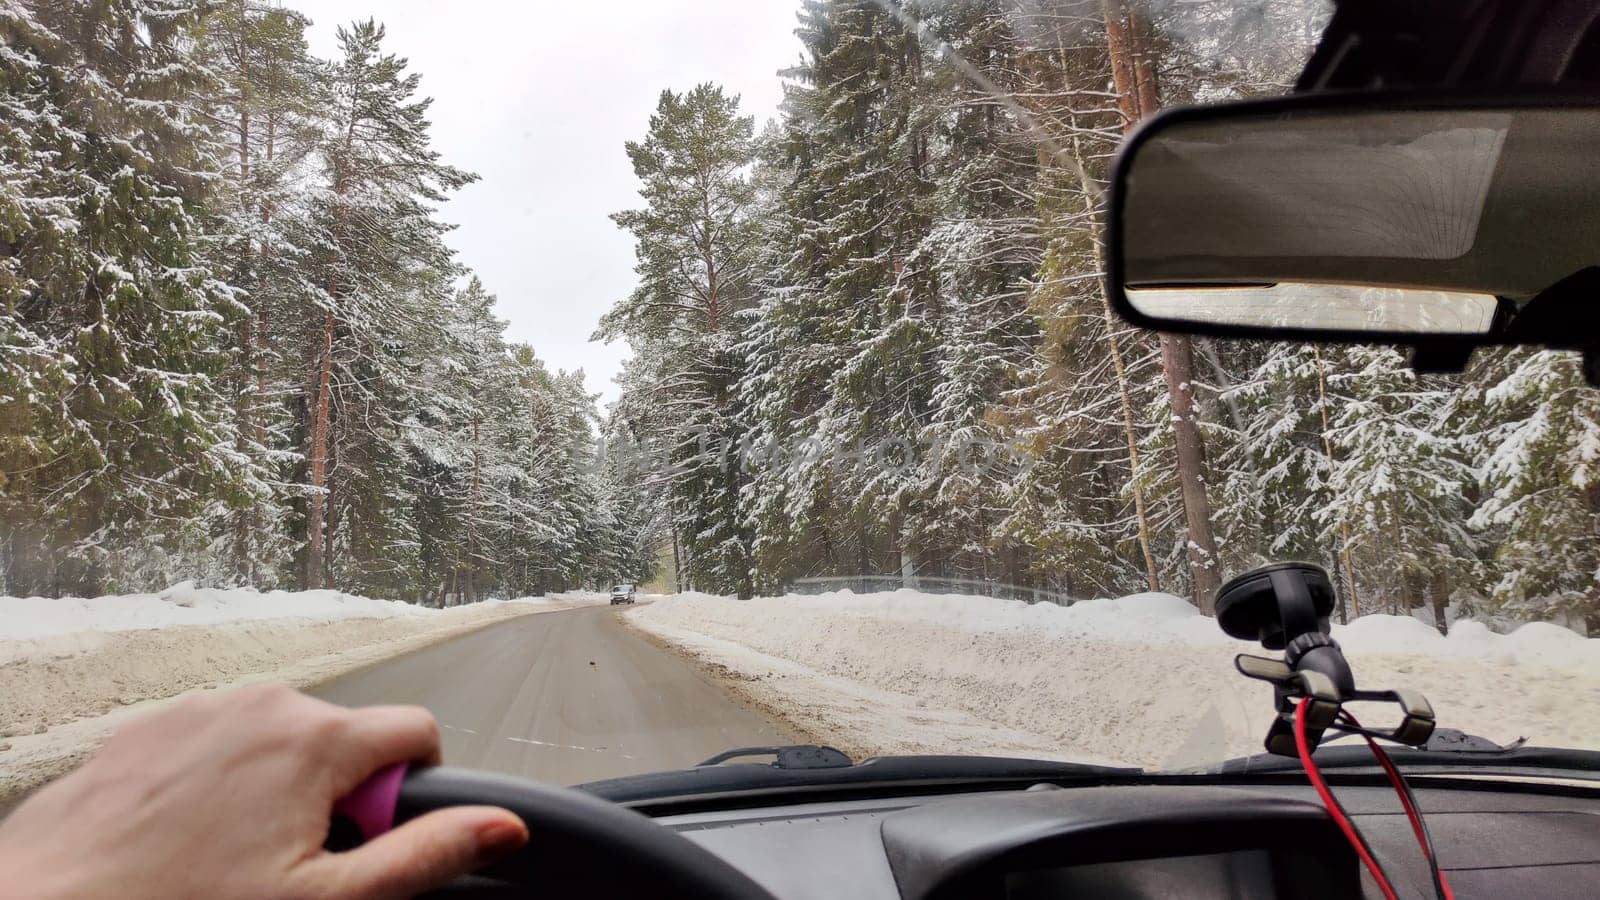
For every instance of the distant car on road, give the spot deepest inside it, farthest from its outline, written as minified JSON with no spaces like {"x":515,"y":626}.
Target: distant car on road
{"x":622,"y":593}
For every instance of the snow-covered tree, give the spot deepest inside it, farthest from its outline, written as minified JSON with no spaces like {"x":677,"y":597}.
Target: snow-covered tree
{"x":697,"y":251}
{"x":375,"y":233}
{"x":1534,"y":426}
{"x":222,"y":283}
{"x":265,"y":117}
{"x":119,"y":435}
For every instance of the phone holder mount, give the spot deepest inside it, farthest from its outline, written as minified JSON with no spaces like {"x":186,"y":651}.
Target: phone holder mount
{"x":1286,"y":606}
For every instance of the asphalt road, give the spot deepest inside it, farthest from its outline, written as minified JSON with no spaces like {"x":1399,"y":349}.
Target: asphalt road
{"x":562,"y":697}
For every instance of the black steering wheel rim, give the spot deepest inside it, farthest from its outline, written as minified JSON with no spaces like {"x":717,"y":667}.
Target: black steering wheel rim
{"x":578,"y":843}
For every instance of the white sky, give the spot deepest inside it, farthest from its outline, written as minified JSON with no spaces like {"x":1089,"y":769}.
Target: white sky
{"x":537,"y":97}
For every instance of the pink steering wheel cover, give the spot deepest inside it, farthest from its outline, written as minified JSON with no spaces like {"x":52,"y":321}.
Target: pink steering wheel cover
{"x":372,"y":804}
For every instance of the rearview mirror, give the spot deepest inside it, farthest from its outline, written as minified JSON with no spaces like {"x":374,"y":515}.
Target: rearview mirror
{"x":1362,"y":217}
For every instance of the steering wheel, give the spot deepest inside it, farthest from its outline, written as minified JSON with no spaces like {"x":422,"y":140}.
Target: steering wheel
{"x":579,"y":845}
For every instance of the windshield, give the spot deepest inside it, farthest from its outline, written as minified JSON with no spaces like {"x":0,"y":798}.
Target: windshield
{"x":367,"y":354}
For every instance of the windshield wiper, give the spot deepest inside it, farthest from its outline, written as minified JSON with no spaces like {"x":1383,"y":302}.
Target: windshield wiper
{"x":792,"y":756}
{"x":1448,"y":750}
{"x":809,"y":770}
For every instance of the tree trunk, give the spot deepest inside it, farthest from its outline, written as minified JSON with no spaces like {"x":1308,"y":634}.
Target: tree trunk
{"x":908,"y":569}
{"x":243,"y":50}
{"x":1177,"y":362}
{"x":1135,"y":81}
{"x":317,"y":534}
{"x":316,"y":515}
{"x":1348,"y":564}
{"x":1439,"y":593}
{"x":472,"y":521}
{"x":1130,"y":435}
{"x":677,"y":562}
{"x":248,"y":522}
{"x":713,"y":302}
{"x":1152,"y":579}
{"x":1410,"y":586}
{"x":260,"y":366}
{"x":332,"y":520}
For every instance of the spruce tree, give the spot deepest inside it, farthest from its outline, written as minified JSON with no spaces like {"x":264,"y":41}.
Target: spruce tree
{"x":119,"y":433}
{"x":1533,"y":425}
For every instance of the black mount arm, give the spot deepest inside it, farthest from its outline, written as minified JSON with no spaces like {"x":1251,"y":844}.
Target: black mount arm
{"x":1286,"y":607}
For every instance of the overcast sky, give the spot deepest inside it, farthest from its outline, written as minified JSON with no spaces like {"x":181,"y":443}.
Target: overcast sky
{"x":537,"y":96}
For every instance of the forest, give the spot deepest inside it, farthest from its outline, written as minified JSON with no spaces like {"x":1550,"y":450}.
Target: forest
{"x":908,"y":260}
{"x":237,"y":349}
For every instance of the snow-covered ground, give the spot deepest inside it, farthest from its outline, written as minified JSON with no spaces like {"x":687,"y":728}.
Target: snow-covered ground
{"x":33,"y":618}
{"x":1142,"y":679}
{"x":571,"y":596}
{"x":70,"y":668}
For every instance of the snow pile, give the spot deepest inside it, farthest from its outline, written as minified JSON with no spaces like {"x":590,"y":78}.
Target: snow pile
{"x":69,"y":669}
{"x":32,"y":618}
{"x":1145,"y":678}
{"x":580,"y":596}
{"x":1157,"y":617}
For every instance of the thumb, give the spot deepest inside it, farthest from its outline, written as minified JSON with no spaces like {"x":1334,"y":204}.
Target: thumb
{"x":423,"y":854}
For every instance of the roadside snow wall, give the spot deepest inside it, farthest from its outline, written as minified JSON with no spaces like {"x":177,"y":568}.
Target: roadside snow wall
{"x":71,"y":668}
{"x":1143,"y":679}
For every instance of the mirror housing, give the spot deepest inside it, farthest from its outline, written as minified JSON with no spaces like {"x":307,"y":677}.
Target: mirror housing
{"x":1439,"y":221}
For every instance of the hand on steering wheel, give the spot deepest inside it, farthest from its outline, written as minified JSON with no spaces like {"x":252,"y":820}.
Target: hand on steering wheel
{"x":581,"y":845}
{"x":228,"y":795}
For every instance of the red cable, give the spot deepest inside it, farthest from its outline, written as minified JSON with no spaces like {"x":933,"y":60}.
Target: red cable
{"x":1394,"y":780}
{"x":1412,"y":812}
{"x":1332,"y":805}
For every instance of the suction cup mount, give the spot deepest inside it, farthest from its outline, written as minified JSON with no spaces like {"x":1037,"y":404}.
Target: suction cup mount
{"x":1275,"y":604}
{"x":1286,"y":606}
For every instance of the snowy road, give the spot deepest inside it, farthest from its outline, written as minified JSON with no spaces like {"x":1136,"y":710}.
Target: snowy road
{"x":562,"y":697}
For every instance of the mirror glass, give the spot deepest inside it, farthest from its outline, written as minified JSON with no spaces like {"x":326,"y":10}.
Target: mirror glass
{"x":1408,"y":221}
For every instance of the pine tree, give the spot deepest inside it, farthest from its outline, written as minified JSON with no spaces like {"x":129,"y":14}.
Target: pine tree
{"x":696,"y":246}
{"x":1134,"y":74}
{"x":167,"y":256}
{"x":267,"y":82}
{"x":375,"y":231}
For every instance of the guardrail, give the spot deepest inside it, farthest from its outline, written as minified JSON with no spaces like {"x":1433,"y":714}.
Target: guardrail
{"x":868,"y":584}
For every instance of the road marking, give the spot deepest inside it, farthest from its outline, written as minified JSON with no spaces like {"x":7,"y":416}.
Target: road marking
{"x":566,"y":746}
{"x":543,"y":743}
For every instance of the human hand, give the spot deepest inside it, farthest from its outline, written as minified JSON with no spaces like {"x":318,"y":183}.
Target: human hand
{"x":229,"y":795}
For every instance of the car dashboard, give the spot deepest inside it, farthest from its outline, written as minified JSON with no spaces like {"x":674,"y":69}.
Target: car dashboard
{"x":1157,"y":840}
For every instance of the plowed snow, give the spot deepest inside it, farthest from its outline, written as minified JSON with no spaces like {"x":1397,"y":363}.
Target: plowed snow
{"x":1143,"y":679}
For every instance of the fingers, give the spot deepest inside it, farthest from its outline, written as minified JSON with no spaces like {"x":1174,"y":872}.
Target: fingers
{"x":344,"y":745}
{"x":376,"y":736}
{"x":421,"y":855}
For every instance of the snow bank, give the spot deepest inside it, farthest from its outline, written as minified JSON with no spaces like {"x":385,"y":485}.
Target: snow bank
{"x":32,"y":618}
{"x":70,"y":669}
{"x":1145,"y":678}
{"x":1158,"y":618}
{"x":580,"y":596}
